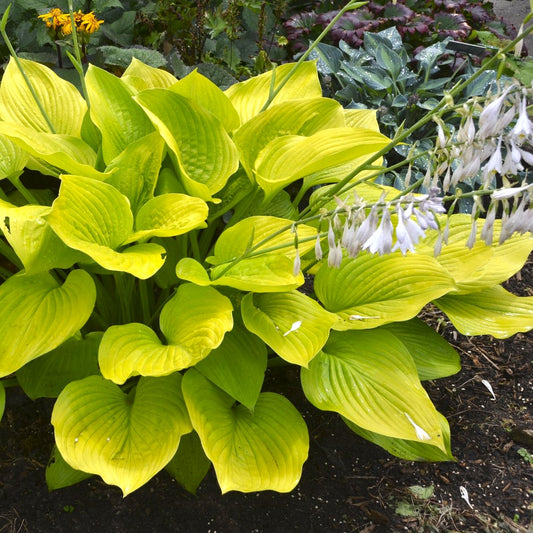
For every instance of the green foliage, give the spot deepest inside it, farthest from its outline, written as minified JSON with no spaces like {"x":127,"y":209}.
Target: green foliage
{"x":156,"y":279}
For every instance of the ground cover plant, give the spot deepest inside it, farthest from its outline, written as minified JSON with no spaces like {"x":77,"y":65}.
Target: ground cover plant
{"x":155,"y":253}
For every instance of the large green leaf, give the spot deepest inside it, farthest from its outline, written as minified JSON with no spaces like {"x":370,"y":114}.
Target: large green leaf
{"x":95,"y":218}
{"x":249,"y":97}
{"x":136,"y":169}
{"x":32,"y":238}
{"x":291,"y":157}
{"x":434,"y":357}
{"x":60,"y":474}
{"x":37,"y":315}
{"x":205,"y":93}
{"x":493,"y":311}
{"x":61,"y":101}
{"x":237,"y":366}
{"x":118,"y":117}
{"x":13,"y":159}
{"x":409,"y":449}
{"x":204,"y":153}
{"x":140,"y":76}
{"x":194,"y":322}
{"x":68,"y":153}
{"x":190,"y":465}
{"x":296,"y":117}
{"x":371,"y":290}
{"x":124,"y":438}
{"x":263,"y":450}
{"x":295,"y":326}
{"x":370,"y":378}
{"x":47,"y":375}
{"x":361,"y":118}
{"x":169,"y":215}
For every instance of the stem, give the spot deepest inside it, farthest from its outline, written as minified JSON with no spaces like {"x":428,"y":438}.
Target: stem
{"x":77,"y":60}
{"x":21,"y":69}
{"x":195,"y":248}
{"x":28,"y":196}
{"x":145,"y":301}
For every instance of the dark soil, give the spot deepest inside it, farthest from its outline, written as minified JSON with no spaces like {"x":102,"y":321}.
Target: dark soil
{"x":348,"y":484}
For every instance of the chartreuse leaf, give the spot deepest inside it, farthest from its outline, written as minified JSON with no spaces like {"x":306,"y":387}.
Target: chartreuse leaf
{"x":32,"y":238}
{"x":194,"y":322}
{"x":190,"y":465}
{"x":289,"y":158}
{"x":95,"y":218}
{"x":60,"y":474}
{"x":204,"y":153}
{"x":434,"y":357}
{"x":118,"y":117}
{"x":37,"y":315}
{"x":237,"y":366}
{"x":492,"y":311}
{"x":409,"y":449}
{"x":139,"y":76}
{"x":13,"y":160}
{"x":61,"y":101}
{"x":169,"y":215}
{"x":480,"y":267}
{"x":205,"y":93}
{"x":361,"y":118}
{"x":297,"y":117}
{"x":2,"y":400}
{"x":134,"y":172}
{"x":369,"y":378}
{"x":124,"y":438}
{"x":295,"y":326}
{"x":47,"y":375}
{"x":249,"y":97}
{"x":263,"y":450}
{"x":371,"y":290}
{"x":65,"y":152}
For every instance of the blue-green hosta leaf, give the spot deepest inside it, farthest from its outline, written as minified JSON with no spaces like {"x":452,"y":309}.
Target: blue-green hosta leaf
{"x":68,"y":153}
{"x":37,"y":315}
{"x":204,"y":153}
{"x":136,"y":169}
{"x":169,"y":215}
{"x":480,"y":267}
{"x":434,"y":357}
{"x":289,"y":158}
{"x":205,"y":93}
{"x":492,"y":311}
{"x":60,"y":474}
{"x":139,"y":76}
{"x":369,"y":378}
{"x":190,"y":465}
{"x":194,"y":322}
{"x":61,"y":100}
{"x":95,"y":218}
{"x":296,"y":117}
{"x":47,"y":375}
{"x":118,"y":117}
{"x":13,"y":159}
{"x":237,"y":366}
{"x":124,"y":438}
{"x":409,"y":449}
{"x":249,"y":97}
{"x":295,"y":326}
{"x":372,"y":290}
{"x":32,"y":238}
{"x":263,"y":450}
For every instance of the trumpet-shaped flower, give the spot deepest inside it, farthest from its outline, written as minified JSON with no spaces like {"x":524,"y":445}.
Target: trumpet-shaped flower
{"x":381,"y":240}
{"x":408,"y":232}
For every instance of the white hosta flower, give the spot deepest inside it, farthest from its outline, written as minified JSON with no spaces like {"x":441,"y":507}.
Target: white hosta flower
{"x":466,"y":170}
{"x":509,"y":192}
{"x":520,"y":220}
{"x":295,"y":327}
{"x":368,"y":226}
{"x":421,"y":434}
{"x":523,"y":129}
{"x":488,"y":227}
{"x":318,"y":249}
{"x":408,"y":232}
{"x":489,"y":117}
{"x":494,"y":165}
{"x":297,"y":265}
{"x":335,"y":256}
{"x":512,"y":162}
{"x":425,"y":220}
{"x":473,"y":234}
{"x":381,"y":240}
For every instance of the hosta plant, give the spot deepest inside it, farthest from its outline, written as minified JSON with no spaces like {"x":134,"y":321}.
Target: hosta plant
{"x":153,"y":258}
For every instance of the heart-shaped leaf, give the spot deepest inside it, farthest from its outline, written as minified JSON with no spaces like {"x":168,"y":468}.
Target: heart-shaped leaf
{"x":140,"y":76}
{"x":194,"y":322}
{"x":369,"y":378}
{"x":295,"y":326}
{"x":124,"y":438}
{"x":49,"y":314}
{"x":493,"y":311}
{"x":263,"y":450}
{"x":59,"y":474}
{"x":371,"y":290}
